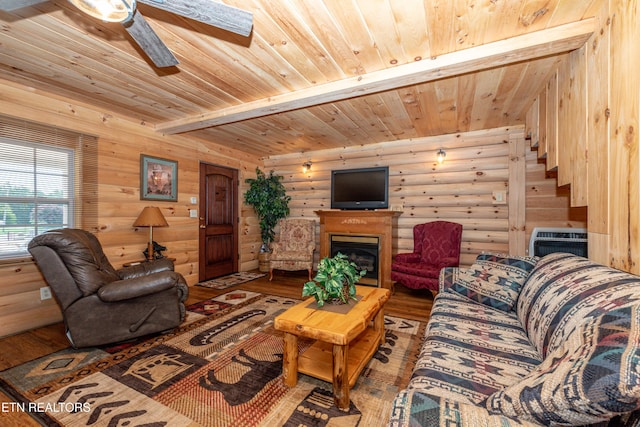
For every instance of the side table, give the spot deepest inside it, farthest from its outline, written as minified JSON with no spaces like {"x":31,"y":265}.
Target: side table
{"x":138,"y":262}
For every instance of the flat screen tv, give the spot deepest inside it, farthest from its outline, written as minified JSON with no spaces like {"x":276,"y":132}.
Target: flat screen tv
{"x":364,"y":188}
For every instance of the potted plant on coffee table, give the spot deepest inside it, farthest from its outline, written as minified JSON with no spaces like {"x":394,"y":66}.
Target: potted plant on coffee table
{"x":335,"y":281}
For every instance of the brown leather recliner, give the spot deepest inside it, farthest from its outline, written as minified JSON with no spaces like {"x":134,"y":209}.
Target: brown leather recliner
{"x":101,"y":305}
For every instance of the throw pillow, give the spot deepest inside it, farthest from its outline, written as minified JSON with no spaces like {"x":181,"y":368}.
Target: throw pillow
{"x":592,"y":378}
{"x":494,"y":279}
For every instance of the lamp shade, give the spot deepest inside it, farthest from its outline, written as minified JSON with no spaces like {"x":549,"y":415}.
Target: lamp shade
{"x":151,"y":216}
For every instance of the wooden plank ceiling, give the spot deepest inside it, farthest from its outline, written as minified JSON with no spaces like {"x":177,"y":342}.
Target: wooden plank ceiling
{"x":314,"y":74}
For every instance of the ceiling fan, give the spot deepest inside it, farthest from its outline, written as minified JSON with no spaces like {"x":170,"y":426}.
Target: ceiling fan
{"x":209,"y":12}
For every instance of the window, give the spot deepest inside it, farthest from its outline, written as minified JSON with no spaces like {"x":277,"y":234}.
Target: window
{"x":46,"y":176}
{"x":36,"y":193}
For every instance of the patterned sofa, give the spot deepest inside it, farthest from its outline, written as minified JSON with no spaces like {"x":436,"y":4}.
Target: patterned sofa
{"x":518,"y":341}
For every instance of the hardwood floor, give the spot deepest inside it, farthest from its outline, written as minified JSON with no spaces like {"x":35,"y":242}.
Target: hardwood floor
{"x":21,"y":348}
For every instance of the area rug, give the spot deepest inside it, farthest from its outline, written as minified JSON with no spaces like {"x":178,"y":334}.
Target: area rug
{"x":225,"y":282}
{"x":222,"y":367}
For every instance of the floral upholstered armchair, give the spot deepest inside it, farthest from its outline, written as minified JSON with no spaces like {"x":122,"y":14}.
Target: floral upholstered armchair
{"x":294,"y":248}
{"x":435,"y":245}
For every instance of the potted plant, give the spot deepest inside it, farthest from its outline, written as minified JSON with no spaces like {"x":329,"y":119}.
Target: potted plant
{"x":335,"y":281}
{"x":268,"y":197}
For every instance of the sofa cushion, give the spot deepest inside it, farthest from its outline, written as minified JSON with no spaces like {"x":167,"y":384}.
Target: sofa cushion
{"x":471,"y":350}
{"x":413,"y":408}
{"x":495,"y":280}
{"x":591,"y":378}
{"x":564,"y":290}
{"x":447,"y":278}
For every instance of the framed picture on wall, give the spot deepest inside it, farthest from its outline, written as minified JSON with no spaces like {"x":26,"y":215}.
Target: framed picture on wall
{"x":158,"y":179}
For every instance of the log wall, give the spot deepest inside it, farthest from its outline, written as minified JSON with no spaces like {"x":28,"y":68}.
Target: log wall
{"x":463,"y":189}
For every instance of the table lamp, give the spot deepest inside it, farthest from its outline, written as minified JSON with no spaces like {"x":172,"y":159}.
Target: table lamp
{"x":150,"y":216}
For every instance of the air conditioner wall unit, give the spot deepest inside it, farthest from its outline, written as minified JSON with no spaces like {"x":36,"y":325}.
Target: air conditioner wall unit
{"x":548,"y":240}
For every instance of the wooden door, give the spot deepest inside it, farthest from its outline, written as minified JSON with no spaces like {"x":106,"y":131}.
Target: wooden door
{"x":218,"y":239}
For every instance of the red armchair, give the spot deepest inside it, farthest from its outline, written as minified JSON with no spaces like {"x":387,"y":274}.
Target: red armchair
{"x":435,"y":245}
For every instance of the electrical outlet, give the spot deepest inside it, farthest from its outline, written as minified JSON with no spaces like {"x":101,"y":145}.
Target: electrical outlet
{"x":45,"y":293}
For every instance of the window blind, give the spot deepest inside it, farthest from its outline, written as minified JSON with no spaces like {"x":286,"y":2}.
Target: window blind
{"x":48,"y":179}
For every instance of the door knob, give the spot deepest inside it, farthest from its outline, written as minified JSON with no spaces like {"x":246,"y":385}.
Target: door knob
{"x":203,"y":226}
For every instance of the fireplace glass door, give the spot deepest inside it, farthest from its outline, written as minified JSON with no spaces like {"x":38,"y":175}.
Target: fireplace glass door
{"x":362,"y":250}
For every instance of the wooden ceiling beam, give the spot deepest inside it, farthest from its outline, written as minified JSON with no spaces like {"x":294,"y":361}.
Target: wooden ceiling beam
{"x":551,"y":41}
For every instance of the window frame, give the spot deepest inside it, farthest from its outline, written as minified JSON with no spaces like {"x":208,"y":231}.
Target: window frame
{"x":36,"y":200}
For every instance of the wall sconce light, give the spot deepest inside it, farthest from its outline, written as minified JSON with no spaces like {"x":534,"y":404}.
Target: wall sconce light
{"x":306,"y":167}
{"x":441,"y":155}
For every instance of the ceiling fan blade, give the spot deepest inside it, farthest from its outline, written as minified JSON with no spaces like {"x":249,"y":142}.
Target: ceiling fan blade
{"x":9,"y":5}
{"x":209,"y":12}
{"x":149,"y":41}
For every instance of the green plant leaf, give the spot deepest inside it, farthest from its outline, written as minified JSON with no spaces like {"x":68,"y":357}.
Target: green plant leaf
{"x":333,"y":273}
{"x":267,"y":195}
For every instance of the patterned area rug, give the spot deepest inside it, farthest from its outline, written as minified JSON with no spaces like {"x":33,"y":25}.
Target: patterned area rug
{"x":225,"y":282}
{"x":222,"y":367}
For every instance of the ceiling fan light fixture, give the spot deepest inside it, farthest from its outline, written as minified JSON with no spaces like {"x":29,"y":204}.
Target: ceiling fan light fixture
{"x":107,"y":10}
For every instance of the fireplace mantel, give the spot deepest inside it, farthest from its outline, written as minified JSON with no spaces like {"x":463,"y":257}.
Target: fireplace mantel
{"x":362,"y":223}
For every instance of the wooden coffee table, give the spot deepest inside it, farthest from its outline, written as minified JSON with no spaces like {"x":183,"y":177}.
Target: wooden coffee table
{"x":344,"y":342}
